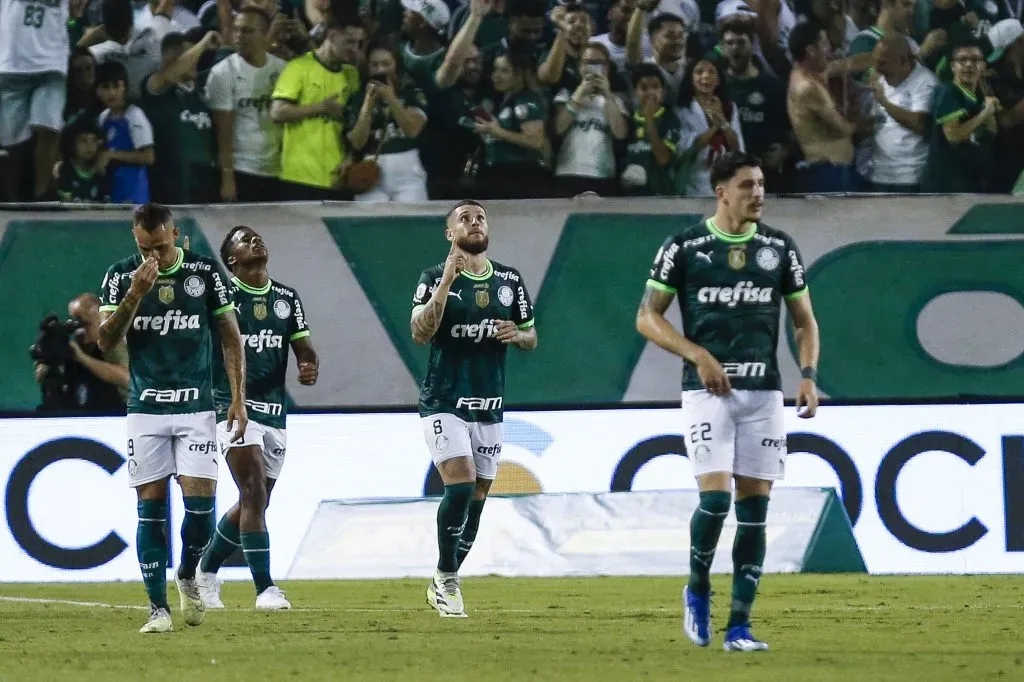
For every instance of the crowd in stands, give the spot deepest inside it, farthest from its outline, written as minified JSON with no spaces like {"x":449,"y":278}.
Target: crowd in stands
{"x":185,"y":102}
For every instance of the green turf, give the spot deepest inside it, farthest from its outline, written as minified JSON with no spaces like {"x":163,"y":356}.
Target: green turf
{"x":821,"y":628}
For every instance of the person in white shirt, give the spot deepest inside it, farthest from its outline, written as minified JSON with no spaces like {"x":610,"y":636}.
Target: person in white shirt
{"x":238,"y":92}
{"x":668,"y":40}
{"x":182,"y":20}
{"x":614,"y":40}
{"x":710,"y":128}
{"x":590,"y":118}
{"x":34,"y":54}
{"x":138,"y":50}
{"x":775,"y":57}
{"x":904,"y":90}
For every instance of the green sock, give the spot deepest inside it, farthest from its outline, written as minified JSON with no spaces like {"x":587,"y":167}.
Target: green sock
{"x":257,"y":554}
{"x":451,"y":519}
{"x":747,"y":556}
{"x":226,"y":540}
{"x":476,"y":507}
{"x":151,"y":547}
{"x":196,"y":533}
{"x":705,"y":529}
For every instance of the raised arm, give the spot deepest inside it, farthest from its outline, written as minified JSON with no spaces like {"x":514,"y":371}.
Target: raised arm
{"x":426,"y":317}
{"x":114,"y":323}
{"x":448,"y":73}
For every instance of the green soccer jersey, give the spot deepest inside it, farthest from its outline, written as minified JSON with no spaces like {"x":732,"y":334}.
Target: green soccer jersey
{"x":169,"y":350}
{"x":959,"y":167}
{"x":522,"y":107}
{"x":269,"y":319}
{"x":422,"y":68}
{"x":466,"y":369}
{"x":75,"y":184}
{"x":762,"y":104}
{"x":660,"y":180}
{"x":730,"y":290}
{"x":184,"y":145}
{"x":381,"y":120}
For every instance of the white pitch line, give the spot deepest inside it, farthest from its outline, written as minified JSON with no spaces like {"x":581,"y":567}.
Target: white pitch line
{"x":68,"y":602}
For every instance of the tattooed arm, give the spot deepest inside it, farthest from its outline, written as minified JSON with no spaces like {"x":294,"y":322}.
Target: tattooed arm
{"x":426,"y":318}
{"x":114,"y":325}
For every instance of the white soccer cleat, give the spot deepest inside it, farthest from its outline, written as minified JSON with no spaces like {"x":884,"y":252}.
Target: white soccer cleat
{"x":192,"y":607}
{"x":272,"y":599}
{"x":739,"y":638}
{"x":209,"y":589}
{"x":445,"y":595}
{"x":158,"y":623}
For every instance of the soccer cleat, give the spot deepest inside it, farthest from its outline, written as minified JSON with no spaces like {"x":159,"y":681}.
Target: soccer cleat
{"x":739,"y":638}
{"x":697,"y":617}
{"x":445,"y":596}
{"x":209,"y":589}
{"x":272,"y":599}
{"x":192,"y":607}
{"x":159,"y":621}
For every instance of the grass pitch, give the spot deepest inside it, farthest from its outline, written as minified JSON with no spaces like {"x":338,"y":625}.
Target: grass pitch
{"x":820,"y":628}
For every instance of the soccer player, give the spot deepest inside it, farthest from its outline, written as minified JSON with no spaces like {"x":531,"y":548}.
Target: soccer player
{"x":165,"y":300}
{"x":732,"y":273}
{"x":271,"y":318}
{"x":470,"y":309}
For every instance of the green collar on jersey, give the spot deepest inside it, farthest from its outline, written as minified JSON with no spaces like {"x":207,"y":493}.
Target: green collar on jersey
{"x":177,"y":264}
{"x":250,"y":290}
{"x":480,"y":278}
{"x":731,"y":238}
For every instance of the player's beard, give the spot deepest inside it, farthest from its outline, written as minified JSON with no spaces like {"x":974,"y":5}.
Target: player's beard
{"x":473,"y":247}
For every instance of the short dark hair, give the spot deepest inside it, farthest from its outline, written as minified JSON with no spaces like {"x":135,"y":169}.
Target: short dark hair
{"x":804,"y":35}
{"x":111,"y":73}
{"x":118,"y":17}
{"x":464,"y":202}
{"x":574,"y":6}
{"x":646,"y":70}
{"x":727,"y":165}
{"x":527,"y":8}
{"x":967,"y":43}
{"x":225,"y":246}
{"x":739,"y":24}
{"x":172,"y":40}
{"x":520,"y":55}
{"x":79,"y":124}
{"x":656,"y":24}
{"x":151,"y":217}
{"x":256,"y":12}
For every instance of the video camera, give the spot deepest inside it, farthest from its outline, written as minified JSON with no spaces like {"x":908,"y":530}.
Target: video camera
{"x":53,"y":345}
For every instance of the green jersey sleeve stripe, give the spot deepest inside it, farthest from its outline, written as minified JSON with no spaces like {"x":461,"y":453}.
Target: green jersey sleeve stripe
{"x":797,"y":294}
{"x":108,"y":308}
{"x":299,"y":335}
{"x":223,"y":309}
{"x":951,"y":117}
{"x":526,"y":325}
{"x":655,"y":284}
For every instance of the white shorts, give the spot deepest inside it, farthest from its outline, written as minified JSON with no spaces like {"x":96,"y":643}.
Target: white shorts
{"x":30,"y":100}
{"x":743,"y":433}
{"x":402,"y":179}
{"x":162,"y":445}
{"x":449,"y":437}
{"x":271,"y":442}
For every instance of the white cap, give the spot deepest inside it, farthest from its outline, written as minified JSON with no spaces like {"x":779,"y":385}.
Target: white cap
{"x":434,"y":12}
{"x":1003,"y":34}
{"x":687,"y":10}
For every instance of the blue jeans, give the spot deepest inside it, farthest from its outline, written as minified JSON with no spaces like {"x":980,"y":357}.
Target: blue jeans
{"x":822,"y":177}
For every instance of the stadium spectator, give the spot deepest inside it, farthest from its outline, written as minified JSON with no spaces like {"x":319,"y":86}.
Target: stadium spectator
{"x":239,"y":91}
{"x":1007,"y":58}
{"x":129,"y":138}
{"x":384,"y":121}
{"x":760,"y":99}
{"x":183,"y":20}
{"x":81,"y":177}
{"x":423,"y":25}
{"x":590,"y":119}
{"x":904,"y":92}
{"x":668,"y":41}
{"x":839,"y":27}
{"x":654,"y":138}
{"x":309,"y":101}
{"x":710,"y":128}
{"x":773,"y":21}
{"x":560,"y":66}
{"x":824,"y":135}
{"x":515,"y":144}
{"x":963,"y":127}
{"x":183,"y":172}
{"x":81,"y":92}
{"x":619,"y":14}
{"x":119,"y":40}
{"x":34,"y":54}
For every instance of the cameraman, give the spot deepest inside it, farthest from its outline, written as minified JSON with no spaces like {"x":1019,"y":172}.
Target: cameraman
{"x":73,"y":372}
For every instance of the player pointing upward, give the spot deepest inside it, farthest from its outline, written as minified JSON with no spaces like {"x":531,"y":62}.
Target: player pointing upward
{"x":165,"y":300}
{"x":470,"y":309}
{"x":271,"y":319}
{"x":732,"y":273}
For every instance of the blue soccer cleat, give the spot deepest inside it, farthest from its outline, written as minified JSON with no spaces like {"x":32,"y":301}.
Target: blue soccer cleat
{"x":739,"y":638}
{"x":697,"y":617}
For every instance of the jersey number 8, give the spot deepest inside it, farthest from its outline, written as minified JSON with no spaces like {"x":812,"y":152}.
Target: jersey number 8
{"x":437,"y":426}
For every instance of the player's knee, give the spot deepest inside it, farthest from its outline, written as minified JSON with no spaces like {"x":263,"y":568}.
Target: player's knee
{"x":483,"y":486}
{"x":253,"y":493}
{"x":752,"y":487}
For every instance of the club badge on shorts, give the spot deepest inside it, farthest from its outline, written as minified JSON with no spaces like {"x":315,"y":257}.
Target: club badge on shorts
{"x":166,"y":294}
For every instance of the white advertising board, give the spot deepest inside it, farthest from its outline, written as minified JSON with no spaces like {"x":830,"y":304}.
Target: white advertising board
{"x":931,"y":489}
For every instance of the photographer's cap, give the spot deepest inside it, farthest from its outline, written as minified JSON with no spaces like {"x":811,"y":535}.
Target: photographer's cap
{"x":434,"y":12}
